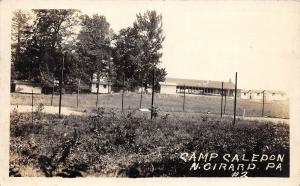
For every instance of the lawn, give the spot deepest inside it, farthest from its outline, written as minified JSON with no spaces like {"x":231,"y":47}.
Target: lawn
{"x":165,"y":103}
{"x":128,"y":145}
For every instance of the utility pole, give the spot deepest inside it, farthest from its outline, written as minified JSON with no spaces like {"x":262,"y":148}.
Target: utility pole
{"x":222,"y":100}
{"x":183,"y":105}
{"x":60,"y":85}
{"x":152,"y":100}
{"x":235,"y":90}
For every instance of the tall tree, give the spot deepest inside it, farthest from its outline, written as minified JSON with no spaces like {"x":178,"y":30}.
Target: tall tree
{"x":127,"y":55}
{"x":20,"y":33}
{"x":93,"y":46}
{"x":138,"y":50}
{"x":149,"y":26}
{"x":52,"y":30}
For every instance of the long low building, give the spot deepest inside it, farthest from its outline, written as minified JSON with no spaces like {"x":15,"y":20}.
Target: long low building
{"x":198,"y":87}
{"x":266,"y":95}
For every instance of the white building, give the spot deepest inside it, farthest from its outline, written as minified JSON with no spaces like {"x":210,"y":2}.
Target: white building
{"x":104,"y":85}
{"x":245,"y":94}
{"x":167,"y":87}
{"x":27,"y":87}
{"x":275,"y":95}
{"x":267,"y":95}
{"x":191,"y":86}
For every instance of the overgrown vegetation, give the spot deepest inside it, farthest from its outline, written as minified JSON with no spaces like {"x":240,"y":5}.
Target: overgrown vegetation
{"x":129,"y":145}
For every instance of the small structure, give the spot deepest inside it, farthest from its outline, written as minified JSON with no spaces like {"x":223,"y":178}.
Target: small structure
{"x":273,"y":95}
{"x":198,"y":87}
{"x":245,"y":94}
{"x":26,"y":87}
{"x":268,"y":95}
{"x":104,"y":87}
{"x":103,"y":83}
{"x":168,"y":88}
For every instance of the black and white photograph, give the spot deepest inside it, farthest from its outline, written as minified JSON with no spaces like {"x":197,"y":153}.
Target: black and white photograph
{"x":163,"y":89}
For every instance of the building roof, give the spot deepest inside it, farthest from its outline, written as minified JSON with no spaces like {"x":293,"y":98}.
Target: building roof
{"x":267,"y":91}
{"x":198,"y":83}
{"x":23,"y":82}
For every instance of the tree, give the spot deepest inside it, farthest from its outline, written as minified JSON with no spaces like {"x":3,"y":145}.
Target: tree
{"x":137,"y":51}
{"x":52,"y":31}
{"x":20,"y":33}
{"x":93,"y":46}
{"x":127,"y":55}
{"x":149,"y":27}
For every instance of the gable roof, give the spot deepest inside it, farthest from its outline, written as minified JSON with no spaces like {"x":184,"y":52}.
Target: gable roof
{"x":199,"y":83}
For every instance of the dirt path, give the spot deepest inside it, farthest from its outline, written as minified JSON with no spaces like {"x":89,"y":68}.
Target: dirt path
{"x":47,"y":109}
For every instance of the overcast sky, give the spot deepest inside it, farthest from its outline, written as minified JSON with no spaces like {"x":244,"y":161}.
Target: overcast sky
{"x":213,"y":40}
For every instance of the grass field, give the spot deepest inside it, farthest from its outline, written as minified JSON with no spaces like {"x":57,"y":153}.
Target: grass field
{"x":165,"y":103}
{"x":128,"y":145}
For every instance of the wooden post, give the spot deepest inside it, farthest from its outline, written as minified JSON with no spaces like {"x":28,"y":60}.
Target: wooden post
{"x":123,"y":92}
{"x":141,"y":98}
{"x":32,"y":105}
{"x":263,"y":105}
{"x":152,"y":100}
{"x":52,"y":92}
{"x":235,"y":90}
{"x":225,"y":102}
{"x":98,"y":84}
{"x":183,"y":105}
{"x":78,"y":85}
{"x":60,"y":86}
{"x":222,"y":100}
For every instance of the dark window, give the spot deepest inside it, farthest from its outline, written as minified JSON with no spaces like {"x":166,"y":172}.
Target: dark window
{"x":104,"y":86}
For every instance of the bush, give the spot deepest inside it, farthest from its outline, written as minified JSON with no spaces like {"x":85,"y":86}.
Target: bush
{"x":113,"y":144}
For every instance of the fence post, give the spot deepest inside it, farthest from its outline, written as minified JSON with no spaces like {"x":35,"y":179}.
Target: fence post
{"x":263,"y":106}
{"x":78,"y":85}
{"x":141,"y":98}
{"x":235,"y":98}
{"x":183,"y":105}
{"x":225,"y":101}
{"x":98,"y":84}
{"x":60,"y":86}
{"x":123,"y":92}
{"x":222,"y":100}
{"x":52,"y":92}
{"x":152,"y":100}
{"x":32,"y":105}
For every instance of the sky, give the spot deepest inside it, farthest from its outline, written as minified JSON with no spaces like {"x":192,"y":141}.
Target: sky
{"x":213,"y":40}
